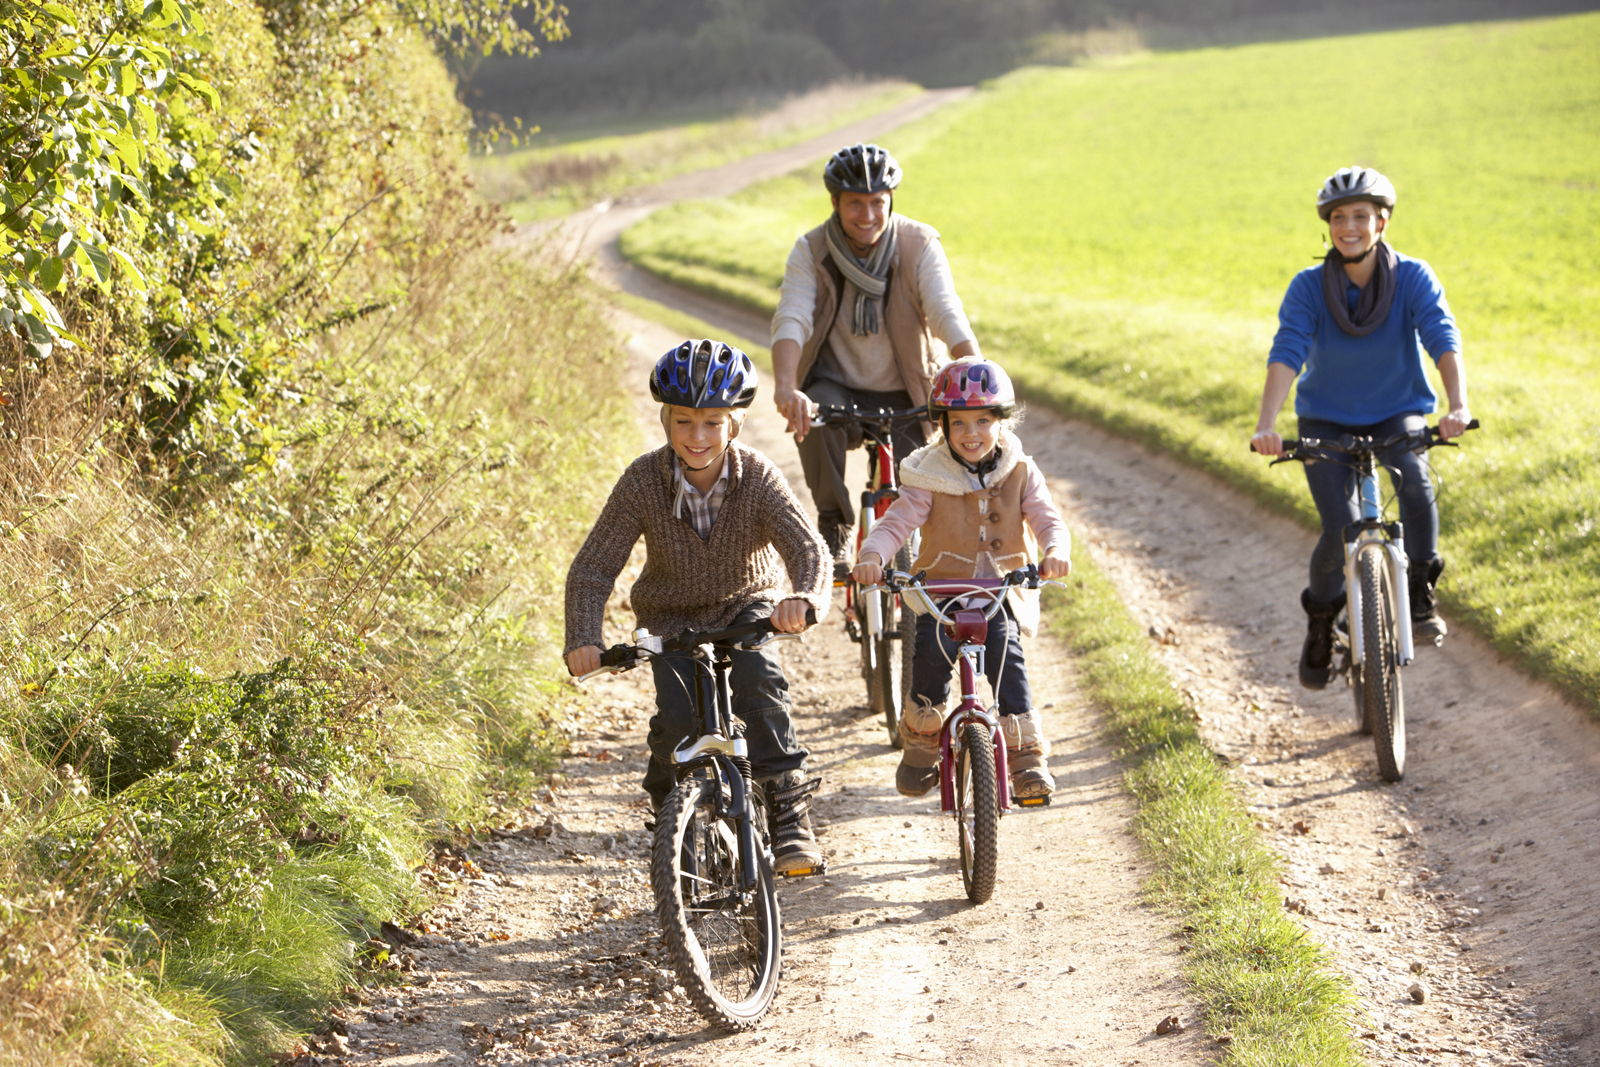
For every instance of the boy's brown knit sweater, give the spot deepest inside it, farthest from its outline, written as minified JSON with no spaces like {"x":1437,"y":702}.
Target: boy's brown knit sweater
{"x":688,"y":583}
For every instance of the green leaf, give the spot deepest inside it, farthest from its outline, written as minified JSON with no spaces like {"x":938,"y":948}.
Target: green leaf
{"x":59,"y":13}
{"x":195,"y":85}
{"x":127,"y":146}
{"x":130,"y":270}
{"x":50,"y":272}
{"x":97,"y":261}
{"x":159,"y":13}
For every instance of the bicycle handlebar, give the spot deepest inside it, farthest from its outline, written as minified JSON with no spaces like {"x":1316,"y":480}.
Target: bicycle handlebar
{"x":995,"y":588}
{"x":1296,"y":448}
{"x":838,"y":415}
{"x":625,"y":657}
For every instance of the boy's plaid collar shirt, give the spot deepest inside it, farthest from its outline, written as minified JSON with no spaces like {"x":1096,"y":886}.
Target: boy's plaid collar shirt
{"x":702,"y":510}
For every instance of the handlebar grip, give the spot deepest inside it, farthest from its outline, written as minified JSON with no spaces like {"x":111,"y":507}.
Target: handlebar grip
{"x":616,"y":656}
{"x":811,"y":616}
{"x":1473,"y":425}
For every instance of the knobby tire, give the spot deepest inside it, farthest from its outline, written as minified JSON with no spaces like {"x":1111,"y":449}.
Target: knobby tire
{"x":977,"y":812}
{"x":895,"y":657}
{"x":725,"y":944}
{"x":1382,"y":703}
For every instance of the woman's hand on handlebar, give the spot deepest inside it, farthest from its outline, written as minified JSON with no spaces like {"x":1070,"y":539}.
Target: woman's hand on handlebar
{"x":1267,"y":442}
{"x":1054,"y":566}
{"x":789,"y":616}
{"x":869,"y":569}
{"x":1454,"y":423}
{"x":582,"y":661}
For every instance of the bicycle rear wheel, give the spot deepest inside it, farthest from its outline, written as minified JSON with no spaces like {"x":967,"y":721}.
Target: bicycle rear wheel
{"x":977,"y":812}
{"x":725,"y":941}
{"x":1382,"y":703}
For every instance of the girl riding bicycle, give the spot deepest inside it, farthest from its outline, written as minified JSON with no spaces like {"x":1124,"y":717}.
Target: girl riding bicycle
{"x":975,"y":496}
{"x":721,"y":527}
{"x":1357,"y":325}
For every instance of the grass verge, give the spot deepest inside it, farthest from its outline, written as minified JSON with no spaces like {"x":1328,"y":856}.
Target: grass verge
{"x":1262,"y":979}
{"x":544,"y":181}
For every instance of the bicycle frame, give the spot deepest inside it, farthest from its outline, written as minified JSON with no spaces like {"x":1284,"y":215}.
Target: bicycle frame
{"x":971,"y":629}
{"x":882,"y":491}
{"x":1371,"y":532}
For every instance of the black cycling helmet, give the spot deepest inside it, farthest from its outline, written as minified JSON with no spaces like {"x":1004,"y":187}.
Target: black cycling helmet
{"x":1354,"y":183}
{"x":704,"y":374}
{"x":861,"y":168}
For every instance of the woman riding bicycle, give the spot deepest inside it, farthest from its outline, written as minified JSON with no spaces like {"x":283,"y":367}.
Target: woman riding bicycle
{"x":1357,"y":325}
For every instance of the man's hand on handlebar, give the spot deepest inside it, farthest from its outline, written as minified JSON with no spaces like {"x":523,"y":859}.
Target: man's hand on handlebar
{"x":869,"y":569}
{"x":1054,"y":566}
{"x":797,"y":408}
{"x":582,"y":661}
{"x":790,"y":616}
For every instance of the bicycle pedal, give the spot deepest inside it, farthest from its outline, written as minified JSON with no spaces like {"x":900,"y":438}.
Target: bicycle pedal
{"x":1030,"y":802}
{"x":806,"y":872}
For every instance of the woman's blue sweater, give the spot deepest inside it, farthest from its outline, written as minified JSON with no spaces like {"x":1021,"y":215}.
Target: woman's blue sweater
{"x":1359,"y":381}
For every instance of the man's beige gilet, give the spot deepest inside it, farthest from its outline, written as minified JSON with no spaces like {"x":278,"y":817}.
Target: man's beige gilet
{"x":903,"y":315}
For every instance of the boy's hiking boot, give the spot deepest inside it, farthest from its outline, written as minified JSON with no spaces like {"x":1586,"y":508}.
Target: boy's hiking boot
{"x":794,"y":844}
{"x":1027,"y":753}
{"x":1316,"y":656}
{"x":837,"y":537}
{"x":920,"y":723}
{"x":1425,"y":621}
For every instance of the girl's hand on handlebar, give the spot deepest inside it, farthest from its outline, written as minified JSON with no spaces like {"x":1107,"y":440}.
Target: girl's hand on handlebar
{"x":585,"y":660}
{"x":790,"y":616}
{"x":869,"y":569}
{"x":1454,"y":423}
{"x":1267,"y":443}
{"x":1054,"y":566}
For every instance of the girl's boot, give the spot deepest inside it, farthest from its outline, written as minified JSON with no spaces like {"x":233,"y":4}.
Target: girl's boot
{"x":1027,"y":753}
{"x":920,"y":723}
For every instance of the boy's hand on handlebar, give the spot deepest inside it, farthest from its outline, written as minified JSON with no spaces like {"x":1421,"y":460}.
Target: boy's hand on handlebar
{"x":869,"y":569}
{"x":1454,"y":423}
{"x":581,"y":661}
{"x":790,"y":616}
{"x":1267,"y":443}
{"x":1054,"y":566}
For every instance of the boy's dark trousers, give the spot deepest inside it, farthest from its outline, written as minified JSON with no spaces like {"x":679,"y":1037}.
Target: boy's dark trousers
{"x":759,"y":693}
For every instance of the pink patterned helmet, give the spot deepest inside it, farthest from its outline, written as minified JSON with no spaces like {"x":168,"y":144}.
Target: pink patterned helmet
{"x":972,"y":384}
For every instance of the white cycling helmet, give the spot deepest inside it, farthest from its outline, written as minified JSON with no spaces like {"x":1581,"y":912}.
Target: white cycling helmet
{"x":1354,"y":183}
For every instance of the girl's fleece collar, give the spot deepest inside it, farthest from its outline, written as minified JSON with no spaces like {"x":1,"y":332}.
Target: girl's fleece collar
{"x":933,"y":468}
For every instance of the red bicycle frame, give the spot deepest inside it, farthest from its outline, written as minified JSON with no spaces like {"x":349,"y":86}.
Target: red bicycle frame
{"x":970,"y":630}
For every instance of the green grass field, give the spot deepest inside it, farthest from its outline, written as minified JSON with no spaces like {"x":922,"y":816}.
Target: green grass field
{"x":1123,"y":234}
{"x":545,"y":180}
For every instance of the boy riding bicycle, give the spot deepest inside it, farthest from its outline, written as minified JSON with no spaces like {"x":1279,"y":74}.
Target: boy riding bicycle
{"x":975,"y":496}
{"x":721,"y":527}
{"x":1358,"y":325}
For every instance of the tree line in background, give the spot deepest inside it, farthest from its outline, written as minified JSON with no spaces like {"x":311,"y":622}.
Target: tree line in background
{"x":652,"y":56}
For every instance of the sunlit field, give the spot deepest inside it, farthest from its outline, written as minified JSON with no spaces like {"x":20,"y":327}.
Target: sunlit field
{"x":1122,"y":235}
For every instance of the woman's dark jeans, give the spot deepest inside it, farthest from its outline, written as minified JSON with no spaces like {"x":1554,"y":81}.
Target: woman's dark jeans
{"x":934,"y":662}
{"x":1335,"y":488}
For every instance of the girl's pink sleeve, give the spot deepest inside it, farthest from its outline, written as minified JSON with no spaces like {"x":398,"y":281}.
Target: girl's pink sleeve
{"x":1039,"y":512}
{"x":903,"y":517}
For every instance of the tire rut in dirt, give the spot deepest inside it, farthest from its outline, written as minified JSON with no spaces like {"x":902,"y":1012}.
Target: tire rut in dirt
{"x":977,"y":813}
{"x":1382,"y":703}
{"x":725,"y":943}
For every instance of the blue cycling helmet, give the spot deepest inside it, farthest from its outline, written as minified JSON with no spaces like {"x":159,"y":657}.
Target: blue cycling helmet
{"x":704,"y":374}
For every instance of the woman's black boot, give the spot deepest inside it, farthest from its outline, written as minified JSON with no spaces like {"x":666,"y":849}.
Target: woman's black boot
{"x":1316,"y":657}
{"x":1425,"y":621}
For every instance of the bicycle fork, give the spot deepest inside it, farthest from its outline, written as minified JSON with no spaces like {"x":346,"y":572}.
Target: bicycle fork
{"x":1369,"y":533}
{"x":969,"y":710}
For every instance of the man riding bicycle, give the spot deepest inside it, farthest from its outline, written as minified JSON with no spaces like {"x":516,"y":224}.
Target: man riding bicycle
{"x":863,"y":296}
{"x":1357,"y":325}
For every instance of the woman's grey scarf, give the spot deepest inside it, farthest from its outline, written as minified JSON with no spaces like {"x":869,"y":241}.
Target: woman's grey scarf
{"x":1377,"y":297}
{"x":871,"y":281}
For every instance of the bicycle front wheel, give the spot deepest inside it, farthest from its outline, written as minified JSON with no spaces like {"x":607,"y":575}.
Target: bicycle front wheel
{"x":896,"y":646}
{"x":1381,"y":701}
{"x":977,"y":812}
{"x":725,"y":940}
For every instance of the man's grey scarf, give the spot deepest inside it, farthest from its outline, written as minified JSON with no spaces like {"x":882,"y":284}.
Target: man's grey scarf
{"x":871,"y":281}
{"x":1377,"y":297}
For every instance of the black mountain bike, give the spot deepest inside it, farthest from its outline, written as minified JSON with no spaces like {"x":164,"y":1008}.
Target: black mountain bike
{"x":711,"y":862}
{"x":874,"y":618}
{"x":1372,"y":636}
